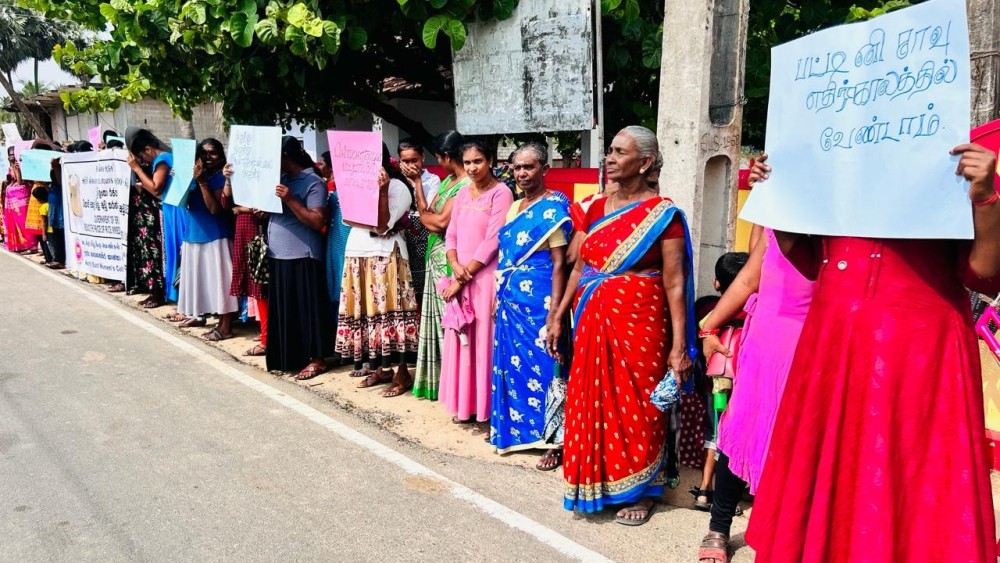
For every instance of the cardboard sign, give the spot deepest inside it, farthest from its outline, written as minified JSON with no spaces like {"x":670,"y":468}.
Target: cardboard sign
{"x":255,"y":153}
{"x":94,"y":136}
{"x":860,"y":123}
{"x":10,"y":133}
{"x":36,"y":164}
{"x":183,"y":171}
{"x":356,"y":157}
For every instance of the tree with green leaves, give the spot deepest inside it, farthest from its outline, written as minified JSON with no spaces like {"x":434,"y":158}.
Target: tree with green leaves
{"x":308,"y":60}
{"x":268,"y":60}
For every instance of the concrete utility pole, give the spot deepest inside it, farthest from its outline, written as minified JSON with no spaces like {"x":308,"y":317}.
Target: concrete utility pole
{"x":984,"y":44}
{"x":700,"y":120}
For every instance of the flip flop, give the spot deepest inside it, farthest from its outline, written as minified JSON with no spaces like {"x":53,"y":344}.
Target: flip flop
{"x":215,"y":335}
{"x":550,"y":454}
{"x":172,"y":317}
{"x":636,"y":508}
{"x":257,"y":350}
{"x":193,"y":322}
{"x":311,"y":371}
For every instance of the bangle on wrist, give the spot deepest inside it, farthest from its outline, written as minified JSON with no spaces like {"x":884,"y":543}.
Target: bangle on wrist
{"x":708,"y":332}
{"x":992,"y":199}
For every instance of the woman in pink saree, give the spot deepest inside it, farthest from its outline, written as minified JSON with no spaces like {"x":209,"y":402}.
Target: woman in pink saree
{"x":15,"y":208}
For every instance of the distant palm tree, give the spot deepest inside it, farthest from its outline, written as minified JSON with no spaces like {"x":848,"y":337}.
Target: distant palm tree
{"x":24,"y":35}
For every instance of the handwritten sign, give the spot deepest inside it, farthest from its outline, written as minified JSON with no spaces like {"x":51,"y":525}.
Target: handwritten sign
{"x":10,"y":133}
{"x":183,"y":171}
{"x":255,"y":153}
{"x":356,"y":157}
{"x":36,"y":164}
{"x":95,"y":207}
{"x":860,"y":124}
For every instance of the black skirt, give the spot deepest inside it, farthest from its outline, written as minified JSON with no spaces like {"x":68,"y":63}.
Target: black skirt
{"x":298,"y":323}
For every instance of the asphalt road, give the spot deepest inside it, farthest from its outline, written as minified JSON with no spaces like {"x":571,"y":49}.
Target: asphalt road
{"x":121,"y":440}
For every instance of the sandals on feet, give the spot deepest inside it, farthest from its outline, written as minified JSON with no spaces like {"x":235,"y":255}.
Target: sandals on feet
{"x":550,"y":460}
{"x":215,"y":335}
{"x":115,"y":287}
{"x":699,"y":494}
{"x":193,"y":322}
{"x":399,"y":386}
{"x":172,"y":317}
{"x":312,"y":370}
{"x":374,"y":378}
{"x":625,"y":521}
{"x":257,"y":350}
{"x":714,"y":548}
{"x":365,"y":371}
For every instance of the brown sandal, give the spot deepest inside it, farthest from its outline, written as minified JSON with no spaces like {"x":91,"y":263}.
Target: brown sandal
{"x":374,"y":378}
{"x":399,"y":385}
{"x":714,"y":548}
{"x":312,"y":370}
{"x":257,"y":350}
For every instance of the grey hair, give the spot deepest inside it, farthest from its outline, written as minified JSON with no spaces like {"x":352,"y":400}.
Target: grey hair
{"x":647,"y":144}
{"x":537,"y":150}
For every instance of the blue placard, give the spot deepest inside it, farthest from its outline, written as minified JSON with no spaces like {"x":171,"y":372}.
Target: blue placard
{"x":36,"y":164}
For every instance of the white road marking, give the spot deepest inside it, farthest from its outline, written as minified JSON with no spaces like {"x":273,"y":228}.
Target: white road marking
{"x":492,"y":508}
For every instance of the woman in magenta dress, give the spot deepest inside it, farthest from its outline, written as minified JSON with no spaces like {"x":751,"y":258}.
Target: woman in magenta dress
{"x":776,"y":298}
{"x":478,"y":213}
{"x":879,"y":448}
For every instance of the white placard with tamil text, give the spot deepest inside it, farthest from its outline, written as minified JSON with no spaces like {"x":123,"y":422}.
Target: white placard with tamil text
{"x":255,"y":153}
{"x":860,"y":124}
{"x":95,"y":212}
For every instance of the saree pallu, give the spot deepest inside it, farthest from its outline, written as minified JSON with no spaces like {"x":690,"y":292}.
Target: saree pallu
{"x":174,"y":224}
{"x":15,"y":211}
{"x":428,"y":373}
{"x":522,"y":366}
{"x":615,"y":437}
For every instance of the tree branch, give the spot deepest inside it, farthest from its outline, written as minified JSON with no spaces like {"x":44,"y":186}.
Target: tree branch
{"x":23,"y":108}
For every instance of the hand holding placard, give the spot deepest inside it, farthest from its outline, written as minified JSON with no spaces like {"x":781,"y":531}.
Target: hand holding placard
{"x":872,"y":110}
{"x":255,"y":153}
{"x":357,"y":161}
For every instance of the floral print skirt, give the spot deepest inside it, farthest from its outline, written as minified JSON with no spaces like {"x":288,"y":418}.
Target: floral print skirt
{"x":378,"y":310}
{"x":144,"y":269}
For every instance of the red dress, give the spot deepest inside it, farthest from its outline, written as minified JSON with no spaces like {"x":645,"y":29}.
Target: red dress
{"x":879,"y":449}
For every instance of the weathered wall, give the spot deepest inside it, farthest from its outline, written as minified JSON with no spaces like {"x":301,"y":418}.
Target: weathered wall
{"x":984,"y":37}
{"x":149,"y":114}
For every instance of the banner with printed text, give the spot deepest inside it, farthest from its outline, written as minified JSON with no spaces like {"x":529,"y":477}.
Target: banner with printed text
{"x":95,"y":212}
{"x":860,"y":123}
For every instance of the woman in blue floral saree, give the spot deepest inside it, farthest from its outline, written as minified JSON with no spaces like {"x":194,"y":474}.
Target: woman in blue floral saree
{"x":530,"y":281}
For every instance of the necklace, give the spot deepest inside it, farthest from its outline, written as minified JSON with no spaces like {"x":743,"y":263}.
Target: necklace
{"x":526,"y":202}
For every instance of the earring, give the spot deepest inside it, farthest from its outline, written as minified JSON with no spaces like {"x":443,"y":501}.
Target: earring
{"x":642,"y":171}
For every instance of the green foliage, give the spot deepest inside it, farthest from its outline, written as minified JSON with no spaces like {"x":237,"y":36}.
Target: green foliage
{"x":278,"y":60}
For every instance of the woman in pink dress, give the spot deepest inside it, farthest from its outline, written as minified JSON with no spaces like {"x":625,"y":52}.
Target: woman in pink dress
{"x":478,"y":213}
{"x":879,"y":448}
{"x":15,"y":208}
{"x":776,"y":298}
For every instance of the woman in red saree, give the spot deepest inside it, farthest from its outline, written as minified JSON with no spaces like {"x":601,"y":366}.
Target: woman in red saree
{"x":634,"y":301}
{"x":879,"y":448}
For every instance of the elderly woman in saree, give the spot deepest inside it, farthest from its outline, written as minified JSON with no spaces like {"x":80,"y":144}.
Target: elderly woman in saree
{"x":530,"y":279}
{"x":634,"y":326}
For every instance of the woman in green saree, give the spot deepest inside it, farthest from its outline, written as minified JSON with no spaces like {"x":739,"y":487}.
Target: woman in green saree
{"x":435,"y":215}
